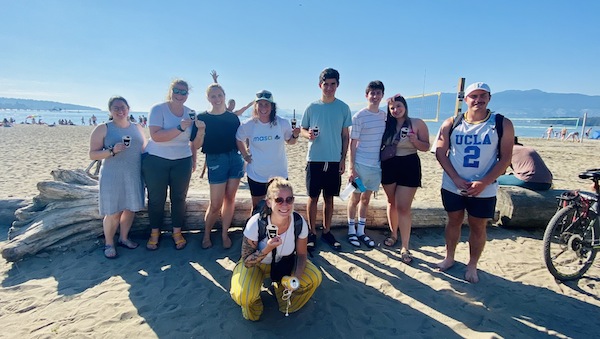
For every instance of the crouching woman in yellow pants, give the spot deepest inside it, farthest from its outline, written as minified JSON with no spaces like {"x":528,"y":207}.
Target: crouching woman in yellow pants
{"x":259,"y":258}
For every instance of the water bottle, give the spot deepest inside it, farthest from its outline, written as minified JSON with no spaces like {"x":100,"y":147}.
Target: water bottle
{"x":359,"y":184}
{"x":345,"y":194}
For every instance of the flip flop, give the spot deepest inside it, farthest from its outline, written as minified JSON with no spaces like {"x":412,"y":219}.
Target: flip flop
{"x":330,"y":240}
{"x":110,"y":252}
{"x":366,"y":240}
{"x":353,"y":240}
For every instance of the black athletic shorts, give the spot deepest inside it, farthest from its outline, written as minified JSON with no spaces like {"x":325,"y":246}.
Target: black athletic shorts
{"x":323,"y":176}
{"x":257,"y":189}
{"x":404,"y":171}
{"x":476,"y":207}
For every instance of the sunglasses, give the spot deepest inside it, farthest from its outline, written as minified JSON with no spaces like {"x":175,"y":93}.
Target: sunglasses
{"x":266,"y":95}
{"x":180,"y":91}
{"x":288,"y":200}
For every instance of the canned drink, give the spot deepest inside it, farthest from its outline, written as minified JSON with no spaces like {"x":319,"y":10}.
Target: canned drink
{"x":315,"y":131}
{"x":403,"y":132}
{"x":294,"y":123}
{"x":271,"y":231}
{"x":126,"y":140}
{"x":290,"y":283}
{"x":193,"y":115}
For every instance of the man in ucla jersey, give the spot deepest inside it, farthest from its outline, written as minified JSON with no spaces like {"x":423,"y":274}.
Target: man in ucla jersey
{"x":473,"y":156}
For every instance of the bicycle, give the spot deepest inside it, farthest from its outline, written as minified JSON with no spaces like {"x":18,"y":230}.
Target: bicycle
{"x":572,"y":237}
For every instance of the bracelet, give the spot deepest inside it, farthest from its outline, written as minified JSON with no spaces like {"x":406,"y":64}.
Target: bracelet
{"x":247,"y":156}
{"x":180,"y":128}
{"x":110,"y":150}
{"x":295,"y":137}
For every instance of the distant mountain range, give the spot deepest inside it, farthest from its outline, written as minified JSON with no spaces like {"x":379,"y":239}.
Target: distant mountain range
{"x":512,"y":103}
{"x":11,"y":103}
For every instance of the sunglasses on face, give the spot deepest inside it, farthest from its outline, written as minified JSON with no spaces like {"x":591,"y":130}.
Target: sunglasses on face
{"x":265,"y":95}
{"x":119,"y":108}
{"x":180,"y":91}
{"x":280,"y":200}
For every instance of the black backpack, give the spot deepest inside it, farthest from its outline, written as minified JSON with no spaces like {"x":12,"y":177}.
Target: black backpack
{"x":264,"y":211}
{"x":499,"y":127}
{"x":286,"y":265}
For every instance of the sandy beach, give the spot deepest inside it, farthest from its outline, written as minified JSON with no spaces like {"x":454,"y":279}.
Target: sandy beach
{"x":364,"y":294}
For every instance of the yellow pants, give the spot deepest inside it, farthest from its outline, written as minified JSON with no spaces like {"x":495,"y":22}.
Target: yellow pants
{"x":246,"y":283}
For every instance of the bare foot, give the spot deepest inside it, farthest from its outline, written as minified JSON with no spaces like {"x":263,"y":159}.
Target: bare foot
{"x":206,"y":243}
{"x":471,"y":275}
{"x":226,"y":242}
{"x":446,"y":264}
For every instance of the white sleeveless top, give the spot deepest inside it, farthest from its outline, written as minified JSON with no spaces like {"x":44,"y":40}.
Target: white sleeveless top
{"x":473,"y":153}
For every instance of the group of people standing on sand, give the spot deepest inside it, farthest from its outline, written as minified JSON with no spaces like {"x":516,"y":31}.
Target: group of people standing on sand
{"x":276,"y":240}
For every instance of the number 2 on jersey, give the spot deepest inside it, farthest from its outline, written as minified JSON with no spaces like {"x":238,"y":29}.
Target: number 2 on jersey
{"x":472,"y":154}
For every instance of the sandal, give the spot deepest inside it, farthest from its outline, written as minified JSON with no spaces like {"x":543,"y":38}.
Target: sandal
{"x":153,"y":242}
{"x":330,"y":240}
{"x":110,"y":252}
{"x":179,"y":240}
{"x":366,"y":240}
{"x":353,"y":240}
{"x":390,"y":242}
{"x":406,"y":256}
{"x":127,"y":244}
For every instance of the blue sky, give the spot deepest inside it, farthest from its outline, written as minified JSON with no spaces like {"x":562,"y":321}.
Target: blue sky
{"x":83,"y":52}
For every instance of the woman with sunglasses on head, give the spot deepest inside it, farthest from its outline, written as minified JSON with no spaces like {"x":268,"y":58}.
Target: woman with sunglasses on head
{"x":401,"y":175}
{"x":261,"y":140}
{"x":224,"y":163}
{"x":280,"y":254}
{"x":119,"y":143}
{"x":168,"y":163}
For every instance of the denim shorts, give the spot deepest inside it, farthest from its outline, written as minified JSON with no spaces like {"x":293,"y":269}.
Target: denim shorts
{"x":224,"y":166}
{"x":370,"y":176}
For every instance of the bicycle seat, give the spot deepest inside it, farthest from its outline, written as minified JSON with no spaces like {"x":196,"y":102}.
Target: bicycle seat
{"x":590,"y":174}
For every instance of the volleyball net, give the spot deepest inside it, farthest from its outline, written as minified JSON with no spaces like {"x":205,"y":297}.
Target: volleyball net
{"x":425,"y":106}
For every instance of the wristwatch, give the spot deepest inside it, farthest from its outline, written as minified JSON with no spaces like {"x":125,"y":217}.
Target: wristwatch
{"x":179,"y":128}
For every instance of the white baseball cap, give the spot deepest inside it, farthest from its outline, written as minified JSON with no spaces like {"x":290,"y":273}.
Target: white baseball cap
{"x":477,"y":86}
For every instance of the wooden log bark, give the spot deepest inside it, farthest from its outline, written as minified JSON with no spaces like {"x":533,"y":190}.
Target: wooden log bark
{"x":77,"y":176}
{"x":523,"y":208}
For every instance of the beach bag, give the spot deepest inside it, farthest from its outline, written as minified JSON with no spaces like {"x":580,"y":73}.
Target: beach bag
{"x":389,"y":151}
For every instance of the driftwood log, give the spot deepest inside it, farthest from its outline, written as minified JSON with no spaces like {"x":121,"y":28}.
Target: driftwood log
{"x":66,"y":212}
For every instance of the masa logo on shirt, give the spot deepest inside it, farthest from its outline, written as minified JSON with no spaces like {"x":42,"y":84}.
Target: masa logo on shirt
{"x":265,"y":138}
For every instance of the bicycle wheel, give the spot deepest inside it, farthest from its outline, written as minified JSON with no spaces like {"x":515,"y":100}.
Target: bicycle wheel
{"x":568,"y":243}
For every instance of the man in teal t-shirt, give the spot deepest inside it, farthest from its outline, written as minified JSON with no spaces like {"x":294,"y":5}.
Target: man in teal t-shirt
{"x":325,"y":124}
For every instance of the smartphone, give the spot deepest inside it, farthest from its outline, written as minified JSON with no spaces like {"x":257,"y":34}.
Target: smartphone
{"x":271,"y":231}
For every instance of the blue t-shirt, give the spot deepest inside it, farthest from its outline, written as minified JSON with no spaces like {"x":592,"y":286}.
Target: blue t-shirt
{"x":331,"y":118}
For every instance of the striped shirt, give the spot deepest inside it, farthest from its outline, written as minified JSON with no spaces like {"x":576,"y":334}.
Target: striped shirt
{"x":367,"y":128}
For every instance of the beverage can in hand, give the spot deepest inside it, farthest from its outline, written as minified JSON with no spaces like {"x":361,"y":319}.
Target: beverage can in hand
{"x":271,"y":231}
{"x":315,"y":131}
{"x":290,"y":283}
{"x":193,"y":115}
{"x":126,"y":140}
{"x":294,"y":123}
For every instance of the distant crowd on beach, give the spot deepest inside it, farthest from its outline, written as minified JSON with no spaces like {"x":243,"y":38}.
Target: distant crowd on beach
{"x":474,"y":149}
{"x":564,"y":135}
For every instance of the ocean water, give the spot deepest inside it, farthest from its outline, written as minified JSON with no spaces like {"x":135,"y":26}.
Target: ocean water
{"x":522,"y":129}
